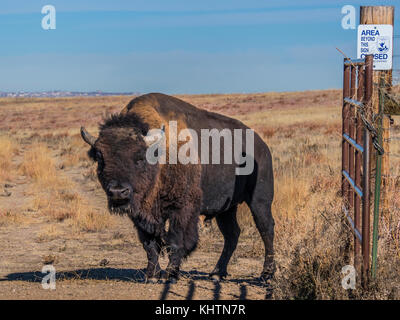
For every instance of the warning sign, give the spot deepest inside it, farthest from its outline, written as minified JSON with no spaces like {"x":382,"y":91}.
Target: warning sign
{"x":376,"y":39}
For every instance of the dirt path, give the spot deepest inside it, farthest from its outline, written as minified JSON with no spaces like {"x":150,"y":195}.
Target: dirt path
{"x":108,"y":264}
{"x":79,"y":264}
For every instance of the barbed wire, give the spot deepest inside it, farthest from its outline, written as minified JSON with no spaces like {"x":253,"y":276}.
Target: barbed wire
{"x":362,"y":109}
{"x":370,"y":127}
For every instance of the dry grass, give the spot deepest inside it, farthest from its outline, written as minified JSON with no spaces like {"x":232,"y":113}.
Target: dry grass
{"x":302,"y":130}
{"x":74,"y":151}
{"x":48,"y":233}
{"x":39,"y":165}
{"x":10,"y":218}
{"x":312,"y":241}
{"x":8,"y":149}
{"x":56,"y":195}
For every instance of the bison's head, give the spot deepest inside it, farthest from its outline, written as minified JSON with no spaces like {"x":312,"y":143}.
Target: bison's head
{"x":122,"y":167}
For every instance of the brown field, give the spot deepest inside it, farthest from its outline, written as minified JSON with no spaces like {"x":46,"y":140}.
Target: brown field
{"x":53,"y":211}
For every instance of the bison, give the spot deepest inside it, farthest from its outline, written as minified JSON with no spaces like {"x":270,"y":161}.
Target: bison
{"x":165,"y":200}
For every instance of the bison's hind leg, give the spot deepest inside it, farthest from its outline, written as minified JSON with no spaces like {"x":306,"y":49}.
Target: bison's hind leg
{"x":230,"y":229}
{"x":261,"y":211}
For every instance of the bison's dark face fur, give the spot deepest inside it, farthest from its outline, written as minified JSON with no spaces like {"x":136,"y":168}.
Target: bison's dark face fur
{"x":123,"y":171}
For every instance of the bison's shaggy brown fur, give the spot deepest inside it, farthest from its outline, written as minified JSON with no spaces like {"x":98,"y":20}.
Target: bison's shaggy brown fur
{"x":151,"y":194}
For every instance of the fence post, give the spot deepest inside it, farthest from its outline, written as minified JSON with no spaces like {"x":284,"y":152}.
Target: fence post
{"x":381,"y":15}
{"x":351,"y":116}
{"x":359,"y":155}
{"x":377,"y":183}
{"x":365,"y":246}
{"x":345,"y":128}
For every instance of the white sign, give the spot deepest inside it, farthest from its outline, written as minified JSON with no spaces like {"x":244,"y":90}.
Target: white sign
{"x":376,"y":39}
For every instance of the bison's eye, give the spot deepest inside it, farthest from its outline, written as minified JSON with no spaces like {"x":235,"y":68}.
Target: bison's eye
{"x":139,"y":158}
{"x":92,"y":153}
{"x":139,"y":163}
{"x":100,"y":161}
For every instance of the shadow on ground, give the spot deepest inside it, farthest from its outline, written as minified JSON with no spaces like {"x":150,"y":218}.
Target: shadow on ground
{"x":138,"y":275}
{"x":130,"y":275}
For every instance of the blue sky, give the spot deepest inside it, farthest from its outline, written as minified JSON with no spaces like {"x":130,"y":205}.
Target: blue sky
{"x":176,"y":46}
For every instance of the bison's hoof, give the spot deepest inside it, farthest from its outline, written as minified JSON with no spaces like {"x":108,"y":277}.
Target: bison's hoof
{"x":151,"y":280}
{"x":217,"y":276}
{"x":266,"y":277}
{"x":169,"y":279}
{"x":172,"y":280}
{"x":171,"y":275}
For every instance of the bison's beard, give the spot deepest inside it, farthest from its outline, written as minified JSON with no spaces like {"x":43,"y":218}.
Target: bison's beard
{"x":130,"y":207}
{"x":120,"y":208}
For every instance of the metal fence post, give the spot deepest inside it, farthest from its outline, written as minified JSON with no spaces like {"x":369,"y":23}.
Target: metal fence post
{"x":345,"y":127}
{"x":366,"y":175}
{"x":359,"y":155}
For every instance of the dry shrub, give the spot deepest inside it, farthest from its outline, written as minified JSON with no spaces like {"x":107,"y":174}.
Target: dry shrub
{"x":73,"y":208}
{"x":8,"y":148}
{"x":312,"y":240}
{"x":48,"y":233}
{"x":39,"y":165}
{"x":88,"y":219}
{"x":310,"y":253}
{"x":10,"y":217}
{"x":52,"y":205}
{"x":309,"y":261}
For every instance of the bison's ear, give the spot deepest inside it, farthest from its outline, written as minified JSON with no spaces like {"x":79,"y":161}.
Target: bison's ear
{"x":154,"y":136}
{"x":87,"y":137}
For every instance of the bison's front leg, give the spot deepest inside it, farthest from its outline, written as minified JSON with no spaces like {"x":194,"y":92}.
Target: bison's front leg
{"x":152,"y":245}
{"x":181,"y":241}
{"x":175,"y":251}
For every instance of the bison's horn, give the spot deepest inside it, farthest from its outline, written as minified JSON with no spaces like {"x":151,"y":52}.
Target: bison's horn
{"x":154,"y":136}
{"x":87,"y":137}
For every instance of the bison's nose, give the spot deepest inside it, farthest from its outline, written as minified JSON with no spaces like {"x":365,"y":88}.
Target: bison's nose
{"x":119,"y":192}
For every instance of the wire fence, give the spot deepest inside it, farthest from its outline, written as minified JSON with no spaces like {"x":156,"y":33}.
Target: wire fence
{"x":396,"y":61}
{"x":357,"y":130}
